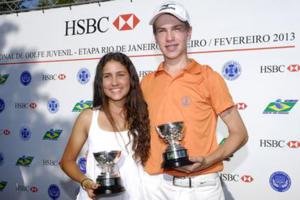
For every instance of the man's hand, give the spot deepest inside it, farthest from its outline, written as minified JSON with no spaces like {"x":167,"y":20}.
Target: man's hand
{"x":199,"y":164}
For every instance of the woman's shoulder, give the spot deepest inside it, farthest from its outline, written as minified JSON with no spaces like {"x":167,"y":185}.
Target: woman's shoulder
{"x":86,"y":116}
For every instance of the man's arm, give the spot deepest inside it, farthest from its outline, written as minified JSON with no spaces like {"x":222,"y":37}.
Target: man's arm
{"x":238,"y":136}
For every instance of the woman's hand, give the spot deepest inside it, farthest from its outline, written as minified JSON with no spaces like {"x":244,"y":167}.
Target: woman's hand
{"x":89,"y":186}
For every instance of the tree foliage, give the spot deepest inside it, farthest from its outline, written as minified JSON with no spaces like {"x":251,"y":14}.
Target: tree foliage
{"x":45,"y":3}
{"x":9,"y":5}
{"x":19,"y":5}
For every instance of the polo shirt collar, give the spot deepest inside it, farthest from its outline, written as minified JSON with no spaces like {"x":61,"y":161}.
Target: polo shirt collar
{"x":192,"y":68}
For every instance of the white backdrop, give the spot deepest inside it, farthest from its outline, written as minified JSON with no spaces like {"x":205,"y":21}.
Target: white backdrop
{"x":42,"y":54}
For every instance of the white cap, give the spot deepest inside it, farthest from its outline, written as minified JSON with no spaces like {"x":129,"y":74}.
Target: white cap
{"x":173,"y":8}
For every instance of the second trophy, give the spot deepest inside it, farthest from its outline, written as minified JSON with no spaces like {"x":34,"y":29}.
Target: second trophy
{"x":109,"y":179}
{"x":175,"y":155}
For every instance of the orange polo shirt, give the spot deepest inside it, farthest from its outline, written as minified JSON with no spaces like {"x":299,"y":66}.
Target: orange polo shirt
{"x":195,"y":96}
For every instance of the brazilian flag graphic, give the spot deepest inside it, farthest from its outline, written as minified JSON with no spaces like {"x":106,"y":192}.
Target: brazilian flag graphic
{"x":3,"y":78}
{"x":52,"y":134}
{"x":80,"y":106}
{"x":280,"y":106}
{"x":2,"y":185}
{"x":24,"y":161}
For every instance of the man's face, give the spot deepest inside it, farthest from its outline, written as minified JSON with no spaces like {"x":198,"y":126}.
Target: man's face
{"x":172,"y":36}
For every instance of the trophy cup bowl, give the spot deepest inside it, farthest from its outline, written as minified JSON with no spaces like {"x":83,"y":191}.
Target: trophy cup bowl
{"x":175,"y":155}
{"x":109,"y":179}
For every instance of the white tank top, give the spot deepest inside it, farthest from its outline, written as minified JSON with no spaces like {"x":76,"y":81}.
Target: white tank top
{"x":130,"y":172}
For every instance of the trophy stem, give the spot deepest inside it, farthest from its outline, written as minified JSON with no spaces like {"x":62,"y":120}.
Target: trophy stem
{"x":107,"y":169}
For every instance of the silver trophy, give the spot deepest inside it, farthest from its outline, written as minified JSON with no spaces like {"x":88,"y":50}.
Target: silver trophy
{"x":109,"y":179}
{"x":175,"y":155}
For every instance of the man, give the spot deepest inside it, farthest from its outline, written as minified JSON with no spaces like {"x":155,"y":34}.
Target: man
{"x":183,"y":90}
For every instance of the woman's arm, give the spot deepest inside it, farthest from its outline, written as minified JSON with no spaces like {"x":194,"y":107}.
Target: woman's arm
{"x":76,"y":141}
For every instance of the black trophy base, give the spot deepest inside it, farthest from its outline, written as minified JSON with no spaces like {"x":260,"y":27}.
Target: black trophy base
{"x":109,"y":186}
{"x":175,"y":159}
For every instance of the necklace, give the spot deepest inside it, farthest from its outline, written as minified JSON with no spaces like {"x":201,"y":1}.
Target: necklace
{"x":122,"y":143}
{"x":119,"y":122}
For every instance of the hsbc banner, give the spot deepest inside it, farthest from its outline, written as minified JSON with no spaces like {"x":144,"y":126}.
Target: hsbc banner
{"x":48,"y":60}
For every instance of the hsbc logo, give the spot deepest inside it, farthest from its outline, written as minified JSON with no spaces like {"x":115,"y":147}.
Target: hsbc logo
{"x":272,"y":68}
{"x":272,"y":143}
{"x":294,"y":68}
{"x":34,"y":189}
{"x":143,"y":73}
{"x":293,"y":144}
{"x":236,"y":178}
{"x":123,"y":22}
{"x":86,"y":26}
{"x":50,"y":162}
{"x":279,"y":68}
{"x":61,"y":76}
{"x":126,"y":22}
{"x":23,"y":105}
{"x":49,"y":77}
{"x":279,"y":144}
{"x":230,"y":177}
{"x":247,"y":178}
{"x":241,"y":106}
{"x":5,"y":131}
{"x":25,"y":188}
{"x":32,"y":105}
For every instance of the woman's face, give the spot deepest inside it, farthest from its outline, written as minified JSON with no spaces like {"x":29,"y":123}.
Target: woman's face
{"x":116,"y":83}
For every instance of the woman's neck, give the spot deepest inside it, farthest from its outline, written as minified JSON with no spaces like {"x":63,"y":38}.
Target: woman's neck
{"x":116,"y":107}
{"x":117,"y":112}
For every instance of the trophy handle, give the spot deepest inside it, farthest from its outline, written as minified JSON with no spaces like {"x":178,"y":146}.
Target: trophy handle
{"x":159,"y":133}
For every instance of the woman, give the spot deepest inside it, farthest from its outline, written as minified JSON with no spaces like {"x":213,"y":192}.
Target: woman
{"x":118,"y":121}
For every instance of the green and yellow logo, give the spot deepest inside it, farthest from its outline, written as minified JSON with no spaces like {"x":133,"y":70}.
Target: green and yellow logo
{"x":2,"y":185}
{"x":52,"y":134}
{"x":280,"y":107}
{"x":80,"y":106}
{"x":3,"y":78}
{"x":24,"y":161}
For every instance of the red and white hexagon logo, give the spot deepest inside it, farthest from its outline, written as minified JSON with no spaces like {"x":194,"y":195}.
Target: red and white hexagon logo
{"x":6,"y":131}
{"x":247,"y":178}
{"x":61,"y":76}
{"x":126,"y":22}
{"x":34,"y":189}
{"x":241,"y":106}
{"x":32,"y":105}
{"x":293,"y":144}
{"x":294,"y":68}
